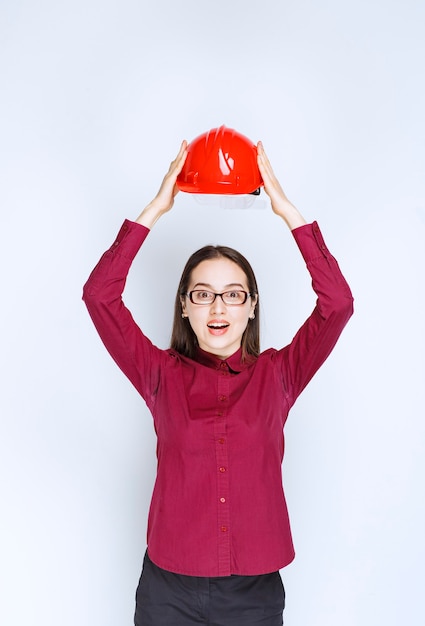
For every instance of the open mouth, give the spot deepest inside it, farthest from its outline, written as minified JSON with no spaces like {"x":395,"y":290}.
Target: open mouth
{"x":218,"y":326}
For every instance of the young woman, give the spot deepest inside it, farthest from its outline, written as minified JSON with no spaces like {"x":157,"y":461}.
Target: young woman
{"x":218,"y":529}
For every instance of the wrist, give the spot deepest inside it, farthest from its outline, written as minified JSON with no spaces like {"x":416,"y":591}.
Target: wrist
{"x":149,"y":215}
{"x":290,"y":214}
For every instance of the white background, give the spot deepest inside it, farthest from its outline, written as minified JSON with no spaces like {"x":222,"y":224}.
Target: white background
{"x":95,"y":99}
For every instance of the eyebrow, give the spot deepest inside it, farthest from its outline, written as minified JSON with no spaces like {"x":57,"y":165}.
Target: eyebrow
{"x":225,"y":287}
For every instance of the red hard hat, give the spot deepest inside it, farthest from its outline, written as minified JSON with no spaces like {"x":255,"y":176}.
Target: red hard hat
{"x":220,"y":161}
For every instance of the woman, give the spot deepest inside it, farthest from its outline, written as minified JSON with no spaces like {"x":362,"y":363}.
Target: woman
{"x":218,"y":530}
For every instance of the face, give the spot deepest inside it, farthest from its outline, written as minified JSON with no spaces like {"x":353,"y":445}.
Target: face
{"x":217,"y":326}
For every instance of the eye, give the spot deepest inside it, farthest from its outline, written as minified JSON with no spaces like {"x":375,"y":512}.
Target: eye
{"x":235,"y":296}
{"x":203,"y":295}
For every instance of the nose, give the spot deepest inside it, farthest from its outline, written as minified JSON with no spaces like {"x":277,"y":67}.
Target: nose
{"x":218,"y":305}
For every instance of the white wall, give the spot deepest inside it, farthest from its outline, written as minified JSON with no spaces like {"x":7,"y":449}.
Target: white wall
{"x":95,"y":99}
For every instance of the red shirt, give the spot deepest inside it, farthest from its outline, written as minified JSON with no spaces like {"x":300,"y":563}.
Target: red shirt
{"x":218,"y":506}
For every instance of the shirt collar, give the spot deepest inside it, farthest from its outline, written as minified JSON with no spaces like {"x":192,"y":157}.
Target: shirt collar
{"x":234,"y":362}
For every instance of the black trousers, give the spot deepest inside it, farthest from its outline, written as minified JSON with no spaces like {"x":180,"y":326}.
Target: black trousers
{"x":167,"y":599}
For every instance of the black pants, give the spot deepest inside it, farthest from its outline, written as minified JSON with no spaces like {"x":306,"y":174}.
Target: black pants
{"x":167,"y":599}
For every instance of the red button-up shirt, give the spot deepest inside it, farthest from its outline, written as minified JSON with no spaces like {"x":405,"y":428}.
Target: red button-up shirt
{"x":218,"y":506}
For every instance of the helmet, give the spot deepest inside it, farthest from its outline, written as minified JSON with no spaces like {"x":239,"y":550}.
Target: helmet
{"x":220,"y":161}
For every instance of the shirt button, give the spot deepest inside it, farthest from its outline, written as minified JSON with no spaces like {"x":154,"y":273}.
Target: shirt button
{"x":222,"y":500}
{"x":222,"y":398}
{"x":222,"y":469}
{"x":223,"y":529}
{"x":221,"y":440}
{"x":220,"y":413}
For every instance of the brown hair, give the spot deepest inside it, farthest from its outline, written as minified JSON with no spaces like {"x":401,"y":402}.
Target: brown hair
{"x":183,"y":339}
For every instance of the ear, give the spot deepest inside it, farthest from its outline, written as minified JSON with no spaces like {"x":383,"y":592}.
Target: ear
{"x":254,"y":301}
{"x":183,"y":303}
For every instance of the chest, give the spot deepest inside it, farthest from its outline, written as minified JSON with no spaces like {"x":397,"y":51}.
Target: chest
{"x":194,"y":406}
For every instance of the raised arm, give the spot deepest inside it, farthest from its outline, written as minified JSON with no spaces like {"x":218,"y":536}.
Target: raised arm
{"x":129,"y":347}
{"x":316,"y":338}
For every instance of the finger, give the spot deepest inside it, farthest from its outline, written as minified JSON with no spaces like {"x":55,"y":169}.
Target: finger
{"x":177,"y":165}
{"x":260,"y":147}
{"x":181,"y":157}
{"x":182,"y":150}
{"x":263,"y":158}
{"x":265,"y":169}
{"x":261,"y":154}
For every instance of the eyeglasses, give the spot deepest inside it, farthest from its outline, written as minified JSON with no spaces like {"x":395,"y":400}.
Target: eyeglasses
{"x":231,"y":298}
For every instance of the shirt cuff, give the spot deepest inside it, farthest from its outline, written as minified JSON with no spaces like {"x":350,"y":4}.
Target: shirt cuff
{"x":129,"y":239}
{"x":310,"y":241}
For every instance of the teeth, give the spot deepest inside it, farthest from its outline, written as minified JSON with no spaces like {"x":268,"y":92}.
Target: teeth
{"x":218,"y":325}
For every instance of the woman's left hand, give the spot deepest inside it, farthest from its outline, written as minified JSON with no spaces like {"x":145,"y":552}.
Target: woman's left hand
{"x":280,"y":203}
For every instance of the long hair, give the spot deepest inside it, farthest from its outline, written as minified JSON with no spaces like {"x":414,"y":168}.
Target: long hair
{"x":183,"y":339}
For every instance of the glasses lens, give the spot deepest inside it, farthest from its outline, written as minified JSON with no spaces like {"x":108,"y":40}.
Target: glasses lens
{"x":201,"y":297}
{"x":234,"y":297}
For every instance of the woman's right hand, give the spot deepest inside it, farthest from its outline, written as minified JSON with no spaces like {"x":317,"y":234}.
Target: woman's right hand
{"x":168,"y":190}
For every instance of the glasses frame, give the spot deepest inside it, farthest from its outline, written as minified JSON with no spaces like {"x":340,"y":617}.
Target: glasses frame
{"x":190,"y":296}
